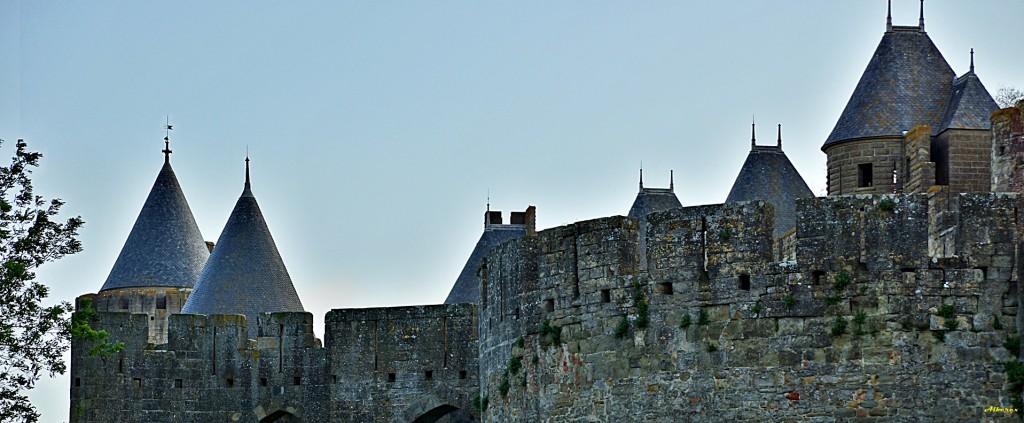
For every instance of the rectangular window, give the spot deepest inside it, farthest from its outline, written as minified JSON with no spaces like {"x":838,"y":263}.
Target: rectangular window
{"x":178,"y":383}
{"x":297,"y":380}
{"x":816,"y":277}
{"x":428,"y":375}
{"x":665,"y":288}
{"x":549,"y":305}
{"x":136,"y":383}
{"x":391,"y":377}
{"x":230,"y":383}
{"x":263,"y":381}
{"x":606,"y":295}
{"x":744,"y":282}
{"x":462,"y":374}
{"x":161,"y":302}
{"x":864,"y":175}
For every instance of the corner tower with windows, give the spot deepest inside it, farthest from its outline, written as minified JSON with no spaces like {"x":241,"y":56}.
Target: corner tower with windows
{"x":908,"y":84}
{"x":160,"y":261}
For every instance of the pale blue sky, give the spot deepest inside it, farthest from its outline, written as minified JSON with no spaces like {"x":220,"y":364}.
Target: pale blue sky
{"x":376,"y":129}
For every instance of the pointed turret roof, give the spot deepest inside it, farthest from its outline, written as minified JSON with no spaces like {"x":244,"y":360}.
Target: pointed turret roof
{"x":650,"y":200}
{"x":768,"y":175}
{"x":467,"y":286}
{"x":165,"y":247}
{"x":971,"y":106}
{"x":906,"y":83}
{"x":245,"y":274}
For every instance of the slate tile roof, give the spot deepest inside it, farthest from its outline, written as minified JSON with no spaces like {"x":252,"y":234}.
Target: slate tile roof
{"x":165,"y":247}
{"x":768,"y":175}
{"x":467,"y":286}
{"x":650,"y":200}
{"x":970,"y":107}
{"x":245,"y":274}
{"x":907,"y":83}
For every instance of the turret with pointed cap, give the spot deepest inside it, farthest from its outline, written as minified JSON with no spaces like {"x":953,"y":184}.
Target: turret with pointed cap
{"x":906,"y":84}
{"x":165,"y":247}
{"x":245,"y":274}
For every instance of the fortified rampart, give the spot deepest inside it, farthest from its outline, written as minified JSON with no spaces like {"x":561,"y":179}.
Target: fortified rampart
{"x":383,"y":365}
{"x":865,"y":322}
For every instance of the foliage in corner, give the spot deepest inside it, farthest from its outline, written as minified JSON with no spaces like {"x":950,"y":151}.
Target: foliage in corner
{"x":1015,"y":384}
{"x":622,"y":328}
{"x":887,"y":204}
{"x":788,"y":300}
{"x":839,"y":326}
{"x":550,"y":333}
{"x":640,"y":301}
{"x":685,"y":322}
{"x":33,"y":337}
{"x":82,"y":330}
{"x":703,"y":318}
{"x":480,"y":403}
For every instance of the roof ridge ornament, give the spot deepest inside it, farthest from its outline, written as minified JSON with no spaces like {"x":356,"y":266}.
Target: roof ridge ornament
{"x":247,"y":192}
{"x":888,"y":19}
{"x":671,"y":181}
{"x":972,"y":59}
{"x":167,"y":140}
{"x":641,"y":175}
{"x":920,"y":22}
{"x":779,"y":142}
{"x":753,"y":138}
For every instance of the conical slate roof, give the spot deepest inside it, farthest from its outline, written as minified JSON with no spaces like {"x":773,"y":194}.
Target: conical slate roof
{"x":906,"y":83}
{"x":245,"y":273}
{"x":164,"y":248}
{"x":768,"y":175}
{"x":467,"y":286}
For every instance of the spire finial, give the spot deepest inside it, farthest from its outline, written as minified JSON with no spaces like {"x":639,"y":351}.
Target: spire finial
{"x":920,"y":22}
{"x":488,"y":199}
{"x":167,"y":140}
{"x":753,"y":138}
{"x":671,"y":181}
{"x":780,"y":137}
{"x":972,"y":59}
{"x":641,"y":176}
{"x":248,"y":185}
{"x":888,"y":19}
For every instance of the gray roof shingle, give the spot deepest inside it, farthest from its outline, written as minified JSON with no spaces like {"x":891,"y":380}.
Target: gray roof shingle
{"x":906,"y":83}
{"x":165,"y":247}
{"x":650,"y":200}
{"x":970,"y":107}
{"x":467,"y":286}
{"x":768,"y":175}
{"x":245,"y":274}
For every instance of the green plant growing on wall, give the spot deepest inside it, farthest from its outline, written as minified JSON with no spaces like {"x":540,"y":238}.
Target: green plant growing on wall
{"x":725,"y":234}
{"x":788,"y":301}
{"x":839,"y":326}
{"x":480,"y":403}
{"x":1012,"y":343}
{"x":504,"y":385}
{"x":841,"y":281}
{"x":685,"y":322}
{"x":858,"y":322}
{"x":622,"y":328}
{"x":887,"y":204}
{"x":640,"y":301}
{"x":702,"y":318}
{"x":996,"y":324}
{"x":712,"y":347}
{"x":551,"y":333}
{"x":833,"y":299}
{"x":515,"y":364}
{"x":520,"y":342}
{"x":946,"y":311}
{"x":757,"y":307}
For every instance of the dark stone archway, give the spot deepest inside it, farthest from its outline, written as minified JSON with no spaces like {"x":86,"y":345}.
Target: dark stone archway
{"x":435,"y":414}
{"x":280,"y":416}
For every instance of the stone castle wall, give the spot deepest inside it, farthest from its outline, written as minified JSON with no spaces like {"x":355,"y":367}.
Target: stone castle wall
{"x":716,"y":330}
{"x":715,"y":324}
{"x":212,"y":369}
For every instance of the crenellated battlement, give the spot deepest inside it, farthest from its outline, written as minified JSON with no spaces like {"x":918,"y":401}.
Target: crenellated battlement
{"x":716,"y":308}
